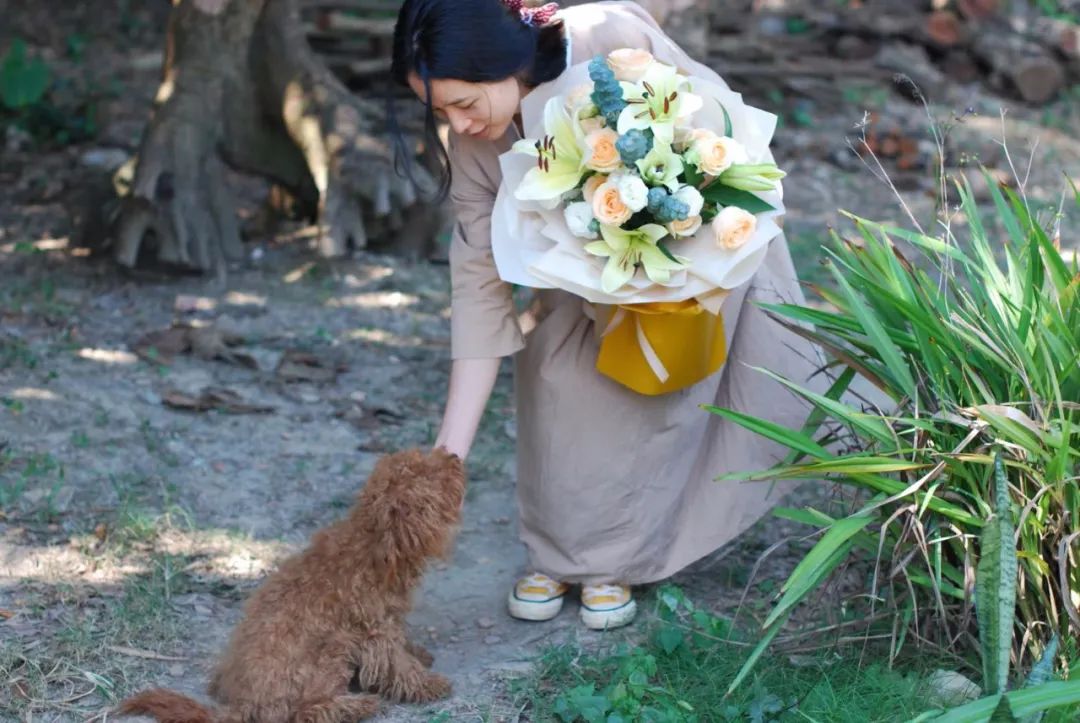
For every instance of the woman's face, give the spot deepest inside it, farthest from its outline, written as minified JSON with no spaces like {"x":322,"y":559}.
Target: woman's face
{"x":481,"y":110}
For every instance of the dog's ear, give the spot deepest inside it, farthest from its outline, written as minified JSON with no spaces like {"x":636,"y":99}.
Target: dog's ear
{"x":411,"y":506}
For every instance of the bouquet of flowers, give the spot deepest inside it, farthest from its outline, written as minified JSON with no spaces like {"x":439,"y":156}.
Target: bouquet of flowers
{"x":638,"y":185}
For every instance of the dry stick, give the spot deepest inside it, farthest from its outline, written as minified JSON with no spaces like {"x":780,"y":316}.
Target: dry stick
{"x":754,"y":570}
{"x":1063,"y":579}
{"x":881,"y":174}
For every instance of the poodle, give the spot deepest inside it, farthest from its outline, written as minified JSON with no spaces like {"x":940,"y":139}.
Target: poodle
{"x":337,"y":610}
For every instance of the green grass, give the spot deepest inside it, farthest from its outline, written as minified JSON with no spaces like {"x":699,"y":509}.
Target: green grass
{"x":677,"y":665}
{"x":684,"y":662}
{"x":72,"y":666}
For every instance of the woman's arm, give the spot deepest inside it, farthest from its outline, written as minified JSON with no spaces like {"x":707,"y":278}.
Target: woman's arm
{"x":471,"y":382}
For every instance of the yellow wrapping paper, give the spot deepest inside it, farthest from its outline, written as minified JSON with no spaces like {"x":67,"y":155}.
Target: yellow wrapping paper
{"x":660,"y":347}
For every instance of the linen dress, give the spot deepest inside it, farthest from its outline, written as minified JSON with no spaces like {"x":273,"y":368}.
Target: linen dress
{"x":612,"y":485}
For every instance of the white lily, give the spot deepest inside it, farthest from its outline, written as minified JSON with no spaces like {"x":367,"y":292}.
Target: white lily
{"x":661,"y":166}
{"x":626,"y":250}
{"x":560,"y":157}
{"x":659,"y":101}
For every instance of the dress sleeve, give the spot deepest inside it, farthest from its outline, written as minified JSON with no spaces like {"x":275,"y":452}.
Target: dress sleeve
{"x":483,"y":321}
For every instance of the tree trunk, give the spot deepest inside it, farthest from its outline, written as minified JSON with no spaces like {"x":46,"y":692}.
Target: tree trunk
{"x":241,"y":87}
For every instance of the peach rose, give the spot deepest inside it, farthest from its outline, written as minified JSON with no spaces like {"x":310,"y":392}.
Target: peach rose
{"x":603,"y":155}
{"x":608,"y":207}
{"x":686,"y":227}
{"x":629,"y":64}
{"x":733,"y":227}
{"x":591,"y":184}
{"x":715,"y":154}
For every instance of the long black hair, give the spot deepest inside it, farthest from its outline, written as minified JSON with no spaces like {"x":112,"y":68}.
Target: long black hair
{"x":476,"y":41}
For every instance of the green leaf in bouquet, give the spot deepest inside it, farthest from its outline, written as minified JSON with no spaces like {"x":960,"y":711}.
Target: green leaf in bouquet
{"x":728,"y":128}
{"x":723,"y":195}
{"x":667,"y":252}
{"x":694,"y":177}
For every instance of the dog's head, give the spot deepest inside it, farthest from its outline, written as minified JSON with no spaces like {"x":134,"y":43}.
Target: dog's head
{"x":411,"y":506}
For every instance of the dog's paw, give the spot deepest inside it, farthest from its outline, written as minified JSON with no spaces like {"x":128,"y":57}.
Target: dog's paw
{"x":421,"y":653}
{"x":431,"y":687}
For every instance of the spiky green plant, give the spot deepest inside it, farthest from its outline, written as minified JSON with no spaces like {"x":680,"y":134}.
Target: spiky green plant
{"x":975,"y":340}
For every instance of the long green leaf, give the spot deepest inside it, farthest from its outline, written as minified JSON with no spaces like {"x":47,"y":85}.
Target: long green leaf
{"x":1024,"y":702}
{"x":870,"y":424}
{"x":770,"y":430}
{"x":995,"y":587}
{"x":1041,"y":674}
{"x":825,"y":556}
{"x":755,"y":655}
{"x":894,"y":361}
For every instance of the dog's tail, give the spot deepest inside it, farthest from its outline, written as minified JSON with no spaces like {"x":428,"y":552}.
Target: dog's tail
{"x":167,"y":707}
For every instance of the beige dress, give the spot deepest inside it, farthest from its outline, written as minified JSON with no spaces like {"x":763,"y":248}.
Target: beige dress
{"x":614,"y":486}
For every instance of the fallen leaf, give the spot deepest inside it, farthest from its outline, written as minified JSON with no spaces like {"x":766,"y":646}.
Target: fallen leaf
{"x":206,"y":342}
{"x":302,"y":366}
{"x":161,"y":346}
{"x":219,"y":398}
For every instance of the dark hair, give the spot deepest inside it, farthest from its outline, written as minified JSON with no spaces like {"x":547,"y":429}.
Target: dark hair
{"x":476,"y":41}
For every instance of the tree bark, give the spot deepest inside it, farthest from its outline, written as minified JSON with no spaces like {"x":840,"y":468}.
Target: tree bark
{"x":242,"y":87}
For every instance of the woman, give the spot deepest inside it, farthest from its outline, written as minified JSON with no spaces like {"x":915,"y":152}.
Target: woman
{"x":614,"y":488}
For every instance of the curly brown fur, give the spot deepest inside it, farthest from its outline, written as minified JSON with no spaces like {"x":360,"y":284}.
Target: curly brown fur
{"x":336,"y":609}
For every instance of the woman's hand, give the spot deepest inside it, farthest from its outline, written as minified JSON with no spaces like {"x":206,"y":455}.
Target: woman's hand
{"x":471,"y":382}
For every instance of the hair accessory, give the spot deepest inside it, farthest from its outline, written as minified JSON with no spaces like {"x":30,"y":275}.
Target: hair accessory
{"x":536,"y":17}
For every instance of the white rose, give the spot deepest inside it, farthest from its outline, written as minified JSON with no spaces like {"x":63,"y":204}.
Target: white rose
{"x":578,"y":218}
{"x":633,"y":191}
{"x":733,"y":227}
{"x":629,"y":64}
{"x":692,"y":198}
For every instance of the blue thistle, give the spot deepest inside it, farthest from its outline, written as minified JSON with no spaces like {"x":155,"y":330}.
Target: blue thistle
{"x":607,"y":93}
{"x":657,"y":196}
{"x":633,"y":146}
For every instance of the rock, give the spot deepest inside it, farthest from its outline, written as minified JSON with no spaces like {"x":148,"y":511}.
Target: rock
{"x":176,"y":670}
{"x":492,"y":639}
{"x":104,"y":159}
{"x":16,"y":139}
{"x":485,"y":623}
{"x":949,"y":688}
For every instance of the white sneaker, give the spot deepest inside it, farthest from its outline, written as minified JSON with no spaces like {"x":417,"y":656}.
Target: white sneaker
{"x":605,"y":607}
{"x":536,"y":597}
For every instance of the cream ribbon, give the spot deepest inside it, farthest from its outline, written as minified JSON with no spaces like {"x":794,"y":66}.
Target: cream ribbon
{"x":651,"y":357}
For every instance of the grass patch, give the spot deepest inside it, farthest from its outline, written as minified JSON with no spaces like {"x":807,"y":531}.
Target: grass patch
{"x":684,"y":660}
{"x":71,"y":665}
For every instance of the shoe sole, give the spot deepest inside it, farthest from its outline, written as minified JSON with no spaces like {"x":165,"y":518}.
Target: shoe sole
{"x":534,"y":610}
{"x":608,"y":619}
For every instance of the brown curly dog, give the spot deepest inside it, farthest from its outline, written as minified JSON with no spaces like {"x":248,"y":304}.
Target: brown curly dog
{"x":337,"y":609}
